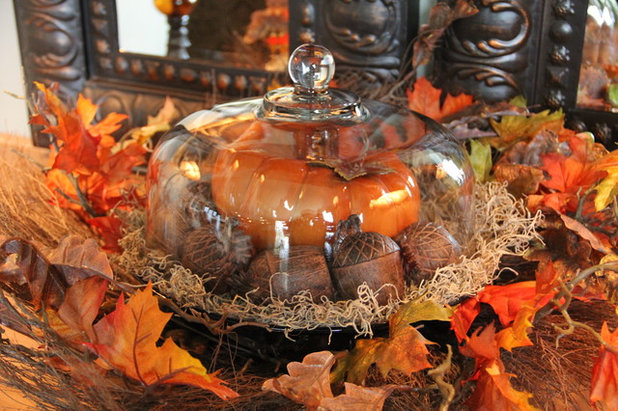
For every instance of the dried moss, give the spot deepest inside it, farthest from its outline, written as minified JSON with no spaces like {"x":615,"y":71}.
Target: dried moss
{"x":502,"y":226}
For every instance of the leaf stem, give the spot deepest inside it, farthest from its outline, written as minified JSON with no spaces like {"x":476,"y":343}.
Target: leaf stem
{"x":83,"y":201}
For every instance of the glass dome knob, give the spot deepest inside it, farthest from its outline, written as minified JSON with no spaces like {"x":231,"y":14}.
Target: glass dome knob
{"x":311,"y":68}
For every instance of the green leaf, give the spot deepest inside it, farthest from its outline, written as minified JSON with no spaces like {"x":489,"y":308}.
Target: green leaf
{"x":480,"y":157}
{"x":519,"y":101}
{"x":612,"y":94}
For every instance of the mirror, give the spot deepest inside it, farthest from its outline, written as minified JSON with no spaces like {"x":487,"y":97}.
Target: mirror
{"x":126,"y":55}
{"x":246,"y":34}
{"x":598,"y":77}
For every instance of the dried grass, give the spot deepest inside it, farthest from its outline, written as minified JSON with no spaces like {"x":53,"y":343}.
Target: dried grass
{"x":502,"y":226}
{"x":27,"y":207}
{"x":559,"y":376}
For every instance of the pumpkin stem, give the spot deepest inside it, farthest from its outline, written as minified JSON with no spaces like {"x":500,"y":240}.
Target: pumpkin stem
{"x":346,"y":228}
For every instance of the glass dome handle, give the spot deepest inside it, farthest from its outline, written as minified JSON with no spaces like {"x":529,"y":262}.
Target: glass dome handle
{"x":311,"y":68}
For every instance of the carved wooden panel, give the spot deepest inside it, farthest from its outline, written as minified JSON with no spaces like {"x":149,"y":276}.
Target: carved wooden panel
{"x":52,"y":50}
{"x":367,"y":37}
{"x":529,"y":47}
{"x":490,"y":53}
{"x":75,"y":43}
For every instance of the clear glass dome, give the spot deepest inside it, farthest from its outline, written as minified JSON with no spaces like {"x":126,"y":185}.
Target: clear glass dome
{"x":307,"y":189}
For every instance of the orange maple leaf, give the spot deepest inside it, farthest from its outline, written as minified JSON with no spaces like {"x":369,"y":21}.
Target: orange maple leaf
{"x":604,"y":387}
{"x":425,"y":99}
{"x":493,"y":389}
{"x":404,"y":350}
{"x":126,"y":341}
{"x":464,"y":316}
{"x":509,"y":302}
{"x":568,"y":174}
{"x":91,"y":173}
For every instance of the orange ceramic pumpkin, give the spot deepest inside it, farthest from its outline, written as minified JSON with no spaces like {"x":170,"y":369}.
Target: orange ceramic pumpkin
{"x":267,"y":179}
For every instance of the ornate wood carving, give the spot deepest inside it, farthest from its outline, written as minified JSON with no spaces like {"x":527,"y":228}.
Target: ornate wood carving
{"x":529,"y":47}
{"x":490,"y":52}
{"x":52,"y":50}
{"x":367,"y":37}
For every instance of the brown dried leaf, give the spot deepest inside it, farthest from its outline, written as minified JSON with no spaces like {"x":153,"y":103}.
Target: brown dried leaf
{"x":521,"y":179}
{"x":359,"y":398}
{"x":585,"y":233}
{"x":74,"y":251}
{"x":308,"y":382}
{"x":81,"y":305}
{"x":34,"y":279}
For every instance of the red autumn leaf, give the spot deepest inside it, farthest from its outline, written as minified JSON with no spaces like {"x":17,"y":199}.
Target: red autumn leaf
{"x":494,"y":392}
{"x":464,"y":315}
{"x":109,"y":229}
{"x":308,"y":382}
{"x":604,"y":387}
{"x":425,"y":99}
{"x":546,"y":277}
{"x":570,"y":174}
{"x":119,"y":166}
{"x":126,"y":341}
{"x":515,"y":304}
{"x":507,"y":300}
{"x":482,"y":346}
{"x":493,"y":389}
{"x":559,"y":202}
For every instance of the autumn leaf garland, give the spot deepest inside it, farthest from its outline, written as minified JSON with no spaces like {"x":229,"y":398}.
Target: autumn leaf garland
{"x":89,"y":172}
{"x":68,"y":297}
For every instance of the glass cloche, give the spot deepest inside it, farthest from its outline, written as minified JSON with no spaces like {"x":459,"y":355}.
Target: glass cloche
{"x":309,"y":189}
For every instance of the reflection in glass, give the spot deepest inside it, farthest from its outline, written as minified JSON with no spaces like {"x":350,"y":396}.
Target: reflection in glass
{"x":598,"y":81}
{"x":242,"y":33}
{"x":144,"y":35}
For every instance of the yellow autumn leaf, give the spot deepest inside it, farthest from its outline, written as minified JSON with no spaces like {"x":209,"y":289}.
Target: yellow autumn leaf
{"x":607,"y":189}
{"x":159,"y":123}
{"x":514,"y":128}
{"x":480,"y":157}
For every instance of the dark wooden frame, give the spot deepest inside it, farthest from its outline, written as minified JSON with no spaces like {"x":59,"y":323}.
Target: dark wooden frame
{"x":75,"y":43}
{"x":529,"y":47}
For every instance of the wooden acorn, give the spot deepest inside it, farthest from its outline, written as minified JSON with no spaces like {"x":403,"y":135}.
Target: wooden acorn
{"x":218,"y":249}
{"x":424,"y":248}
{"x":365,"y":257}
{"x":304,"y":268}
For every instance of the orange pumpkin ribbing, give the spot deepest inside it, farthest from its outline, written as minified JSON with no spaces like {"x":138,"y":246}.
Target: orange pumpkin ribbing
{"x":274,"y":195}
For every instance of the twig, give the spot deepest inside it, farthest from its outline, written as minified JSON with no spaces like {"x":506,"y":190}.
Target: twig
{"x":572,"y":324}
{"x":82,"y":197}
{"x":568,"y":287}
{"x":437,"y":374}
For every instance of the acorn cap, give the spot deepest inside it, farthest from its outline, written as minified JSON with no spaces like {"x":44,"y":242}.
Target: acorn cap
{"x":361,"y":247}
